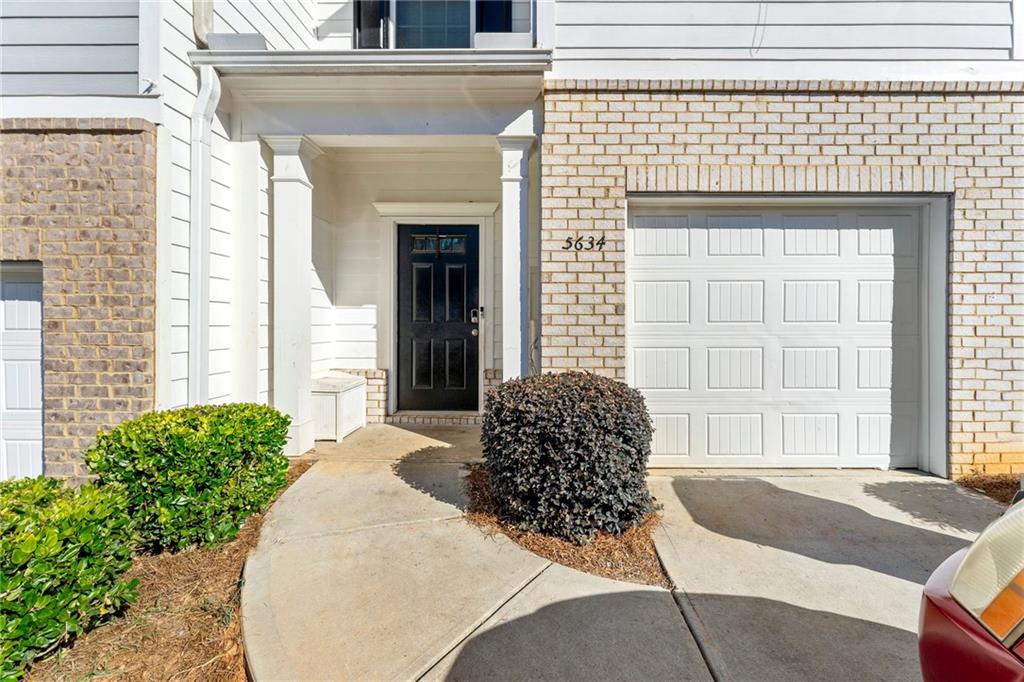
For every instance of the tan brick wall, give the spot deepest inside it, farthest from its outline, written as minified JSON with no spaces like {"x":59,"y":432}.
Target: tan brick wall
{"x":80,"y":196}
{"x":604,"y":139}
{"x":376,"y":392}
{"x":492,"y":379}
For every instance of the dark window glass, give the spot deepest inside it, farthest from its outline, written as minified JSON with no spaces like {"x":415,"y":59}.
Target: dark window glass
{"x":424,"y":244}
{"x":422,"y":292}
{"x":371,"y":25}
{"x":455,"y":363}
{"x":453,"y":244}
{"x":455,"y":293}
{"x":494,"y":16}
{"x":433,"y":24}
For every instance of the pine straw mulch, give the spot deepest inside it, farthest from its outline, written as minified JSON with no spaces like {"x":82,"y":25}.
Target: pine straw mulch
{"x":1000,"y":487}
{"x":630,"y":557}
{"x":185,"y":624}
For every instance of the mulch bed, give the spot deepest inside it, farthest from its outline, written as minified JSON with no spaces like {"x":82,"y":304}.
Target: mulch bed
{"x":1000,"y":487}
{"x":185,"y":624}
{"x":630,"y":557}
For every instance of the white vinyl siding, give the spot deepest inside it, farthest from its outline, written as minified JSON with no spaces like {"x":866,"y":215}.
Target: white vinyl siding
{"x":334,"y":24}
{"x":286,"y":26}
{"x":647,"y":35}
{"x":86,"y":47}
{"x":362,"y":176}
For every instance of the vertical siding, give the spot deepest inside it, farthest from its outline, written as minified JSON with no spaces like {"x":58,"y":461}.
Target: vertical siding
{"x":619,"y":38}
{"x":86,"y":47}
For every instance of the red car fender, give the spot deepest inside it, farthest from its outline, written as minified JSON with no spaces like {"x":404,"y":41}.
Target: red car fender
{"x":952,"y":645}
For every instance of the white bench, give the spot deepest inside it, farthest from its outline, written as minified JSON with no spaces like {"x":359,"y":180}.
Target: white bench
{"x":339,"y":405}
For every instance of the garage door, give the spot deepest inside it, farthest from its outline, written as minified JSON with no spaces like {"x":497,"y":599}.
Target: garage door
{"x":786,"y":338}
{"x":21,"y":375}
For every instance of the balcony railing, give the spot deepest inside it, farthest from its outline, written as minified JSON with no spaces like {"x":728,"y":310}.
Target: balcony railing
{"x":443,"y":24}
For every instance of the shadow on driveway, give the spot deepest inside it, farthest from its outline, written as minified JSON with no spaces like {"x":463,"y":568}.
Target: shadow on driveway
{"x":620,"y":636}
{"x":422,"y":471}
{"x":609,"y":637}
{"x":927,"y":501}
{"x":763,"y":639}
{"x":759,"y":512}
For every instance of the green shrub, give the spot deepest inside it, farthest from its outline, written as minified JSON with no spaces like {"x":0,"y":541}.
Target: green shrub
{"x":194,"y":475}
{"x":62,"y":556}
{"x":567,"y":454}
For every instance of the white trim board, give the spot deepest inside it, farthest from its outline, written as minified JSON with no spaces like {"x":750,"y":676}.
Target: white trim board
{"x":980,"y":71}
{"x":82,"y":106}
{"x":934,"y":209}
{"x":462,"y":209}
{"x":471,"y":214}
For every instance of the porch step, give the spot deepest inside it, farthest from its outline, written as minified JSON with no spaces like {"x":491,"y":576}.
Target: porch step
{"x":434,"y":418}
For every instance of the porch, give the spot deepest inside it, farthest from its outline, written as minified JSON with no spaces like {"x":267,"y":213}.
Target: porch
{"x":398,"y":220}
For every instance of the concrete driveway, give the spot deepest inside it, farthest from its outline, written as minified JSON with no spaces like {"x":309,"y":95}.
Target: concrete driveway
{"x":810,"y":576}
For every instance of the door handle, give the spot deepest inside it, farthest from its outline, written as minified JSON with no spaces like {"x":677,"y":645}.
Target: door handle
{"x":474,"y":332}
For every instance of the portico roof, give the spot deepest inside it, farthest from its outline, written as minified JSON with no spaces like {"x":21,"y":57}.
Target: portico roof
{"x":491,"y":74}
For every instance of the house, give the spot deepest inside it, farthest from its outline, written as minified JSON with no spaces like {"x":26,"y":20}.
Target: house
{"x":798,"y":228}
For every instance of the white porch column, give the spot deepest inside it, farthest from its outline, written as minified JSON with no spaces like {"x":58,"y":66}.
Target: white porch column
{"x":291,"y":300}
{"x":515,"y":262}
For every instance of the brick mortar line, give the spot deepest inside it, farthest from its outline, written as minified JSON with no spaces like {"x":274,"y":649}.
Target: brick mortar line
{"x":788,"y":86}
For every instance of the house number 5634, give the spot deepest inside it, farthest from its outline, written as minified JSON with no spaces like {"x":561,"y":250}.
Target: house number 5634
{"x":583,"y":243}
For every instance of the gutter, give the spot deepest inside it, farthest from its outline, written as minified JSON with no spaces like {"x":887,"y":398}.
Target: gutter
{"x":199,"y":236}
{"x":355,"y":62}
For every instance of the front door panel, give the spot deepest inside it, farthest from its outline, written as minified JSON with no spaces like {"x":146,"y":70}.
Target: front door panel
{"x":438,"y":317}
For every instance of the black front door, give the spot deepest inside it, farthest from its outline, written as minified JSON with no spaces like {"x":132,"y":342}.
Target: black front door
{"x":438,"y":317}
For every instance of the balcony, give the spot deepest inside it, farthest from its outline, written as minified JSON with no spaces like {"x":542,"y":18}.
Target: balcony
{"x":443,"y":24}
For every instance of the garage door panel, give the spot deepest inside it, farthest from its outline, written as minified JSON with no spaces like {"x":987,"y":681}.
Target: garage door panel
{"x":21,"y":429}
{"x":800,"y":341}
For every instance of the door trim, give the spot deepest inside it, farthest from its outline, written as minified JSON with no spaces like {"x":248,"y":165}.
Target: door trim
{"x":935,"y":212}
{"x":469,"y":214}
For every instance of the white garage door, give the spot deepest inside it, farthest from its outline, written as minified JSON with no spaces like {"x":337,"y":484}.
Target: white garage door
{"x":21,"y":372}
{"x":785,"y":338}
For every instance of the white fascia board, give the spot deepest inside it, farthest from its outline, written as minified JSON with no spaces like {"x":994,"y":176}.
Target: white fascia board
{"x":530,"y":60}
{"x":778,"y":71}
{"x":146,"y":107}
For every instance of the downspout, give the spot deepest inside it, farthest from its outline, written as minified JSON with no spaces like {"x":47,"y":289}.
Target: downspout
{"x":199,"y":237}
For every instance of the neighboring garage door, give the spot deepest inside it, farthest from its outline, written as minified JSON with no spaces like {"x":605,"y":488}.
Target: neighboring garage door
{"x":770,"y":337}
{"x":21,"y":371}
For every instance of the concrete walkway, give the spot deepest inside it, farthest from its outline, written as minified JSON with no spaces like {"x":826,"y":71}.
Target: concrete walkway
{"x":366,"y":570}
{"x":810,"y":576}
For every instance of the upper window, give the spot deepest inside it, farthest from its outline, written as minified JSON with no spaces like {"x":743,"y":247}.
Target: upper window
{"x":433,"y":24}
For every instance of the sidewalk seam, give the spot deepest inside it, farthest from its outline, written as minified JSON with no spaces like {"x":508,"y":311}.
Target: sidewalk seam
{"x":472,"y":630}
{"x":713,"y":660}
{"x":708,"y":651}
